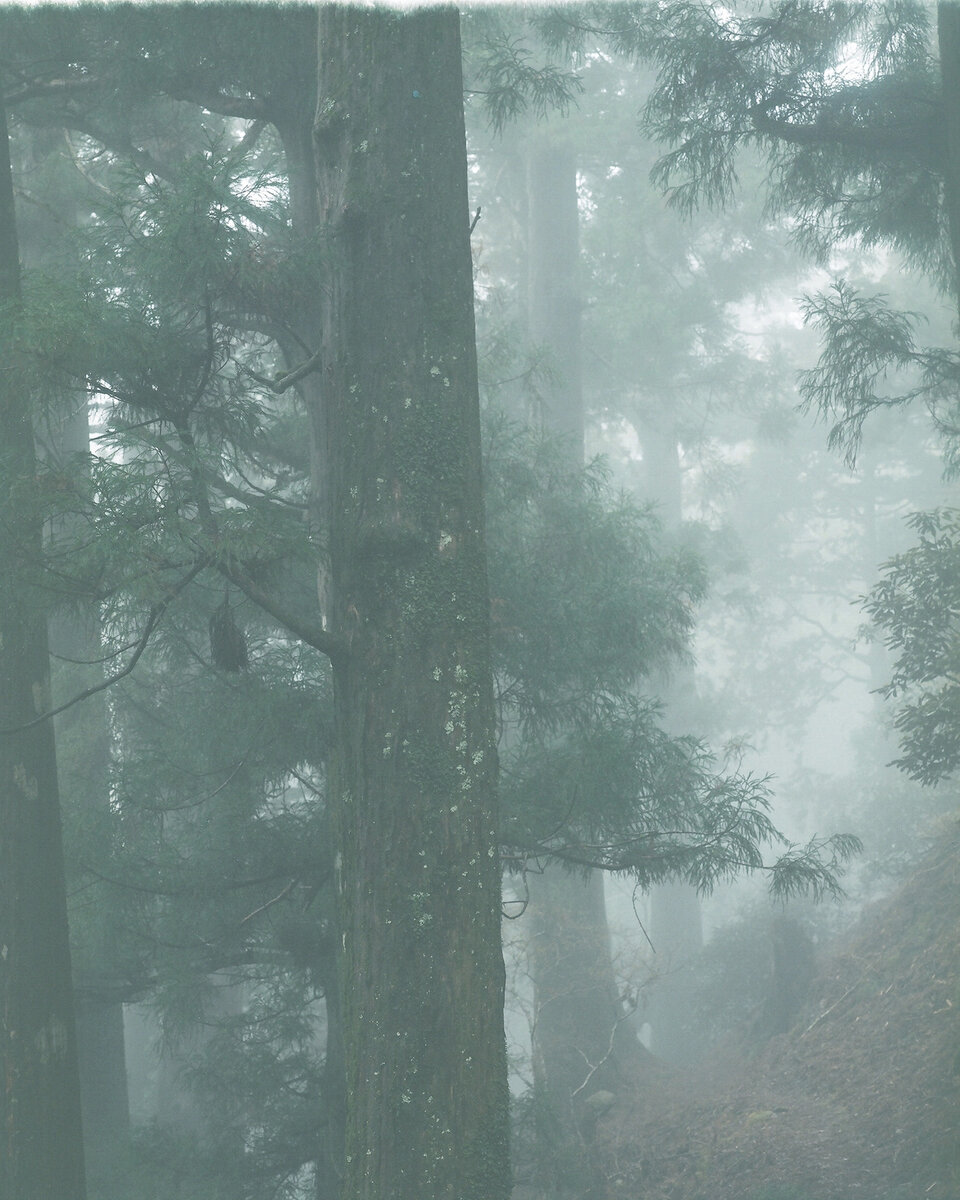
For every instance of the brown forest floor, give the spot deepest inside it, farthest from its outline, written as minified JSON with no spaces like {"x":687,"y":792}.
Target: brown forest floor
{"x":861,"y":1099}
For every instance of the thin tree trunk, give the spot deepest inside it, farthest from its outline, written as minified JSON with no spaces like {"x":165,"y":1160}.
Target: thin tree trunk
{"x":415,"y":775}
{"x":584,"y":1041}
{"x":41,"y":1147}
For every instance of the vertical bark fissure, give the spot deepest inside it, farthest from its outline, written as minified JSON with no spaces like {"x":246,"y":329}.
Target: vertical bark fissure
{"x":415,"y":774}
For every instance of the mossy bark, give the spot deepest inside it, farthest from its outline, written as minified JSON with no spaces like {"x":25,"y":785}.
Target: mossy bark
{"x":415,"y":775}
{"x":41,"y":1151}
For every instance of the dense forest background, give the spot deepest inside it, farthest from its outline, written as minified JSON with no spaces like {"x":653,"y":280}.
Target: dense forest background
{"x":476,"y":489}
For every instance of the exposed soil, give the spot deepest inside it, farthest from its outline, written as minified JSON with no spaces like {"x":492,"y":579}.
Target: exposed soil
{"x":861,"y":1099}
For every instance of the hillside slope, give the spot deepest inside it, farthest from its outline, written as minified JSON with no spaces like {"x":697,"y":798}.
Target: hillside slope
{"x":860,"y":1099}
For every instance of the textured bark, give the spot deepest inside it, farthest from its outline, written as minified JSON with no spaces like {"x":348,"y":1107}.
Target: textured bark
{"x":295,"y":109}
{"x":329,"y":1168}
{"x":41,"y":1151}
{"x":415,"y":772}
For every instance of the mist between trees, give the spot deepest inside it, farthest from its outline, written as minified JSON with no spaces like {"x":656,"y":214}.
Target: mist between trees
{"x":478,"y":607}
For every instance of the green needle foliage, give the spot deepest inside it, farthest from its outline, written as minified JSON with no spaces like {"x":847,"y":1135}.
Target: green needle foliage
{"x":188,"y":526}
{"x":589,"y":603}
{"x":847,"y":105}
{"x":917,"y":605}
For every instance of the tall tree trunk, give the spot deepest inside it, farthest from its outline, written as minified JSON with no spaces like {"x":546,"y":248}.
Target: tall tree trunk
{"x":553,"y":289}
{"x":948,"y":35}
{"x":41,"y":1147}
{"x":580,"y":1039}
{"x":676,"y":920}
{"x":676,"y":931}
{"x":82,"y":731}
{"x":415,"y":775}
{"x":296,"y":127}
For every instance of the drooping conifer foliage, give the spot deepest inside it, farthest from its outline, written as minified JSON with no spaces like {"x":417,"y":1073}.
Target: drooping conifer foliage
{"x":854,"y":109}
{"x":271,"y":322}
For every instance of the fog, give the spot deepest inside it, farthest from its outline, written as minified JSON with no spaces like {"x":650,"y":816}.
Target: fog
{"x":479,"y":676}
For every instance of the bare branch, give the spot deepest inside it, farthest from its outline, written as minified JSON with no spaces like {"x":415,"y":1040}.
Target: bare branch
{"x":284,"y":382}
{"x":51,"y":87}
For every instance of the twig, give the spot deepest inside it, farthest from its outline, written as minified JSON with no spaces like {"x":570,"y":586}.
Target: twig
{"x":826,"y":1013}
{"x":269,"y":904}
{"x":594,"y":1068}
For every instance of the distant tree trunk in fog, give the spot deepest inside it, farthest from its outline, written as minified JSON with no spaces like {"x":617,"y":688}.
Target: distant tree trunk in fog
{"x":414,"y":777}
{"x":553,"y":287}
{"x":75,"y":640}
{"x":580,"y":1039}
{"x":178,"y":1107}
{"x":948,"y":36}
{"x":582,"y":1043}
{"x":75,"y":637}
{"x":791,"y":973}
{"x":676,"y":931}
{"x":676,"y":923}
{"x":41,"y":1145}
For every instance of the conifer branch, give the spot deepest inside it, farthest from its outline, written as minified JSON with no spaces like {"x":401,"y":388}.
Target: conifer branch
{"x":321,"y":639}
{"x":38,"y":89}
{"x":250,"y":108}
{"x":283,"y":382}
{"x":153,"y":620}
{"x":314,"y":635}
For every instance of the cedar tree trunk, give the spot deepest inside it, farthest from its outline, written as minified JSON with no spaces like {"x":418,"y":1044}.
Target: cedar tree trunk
{"x":41,"y":1148}
{"x":415,"y":776}
{"x":554,"y":294}
{"x":948,"y":35}
{"x":581,"y":1040}
{"x":676,"y":922}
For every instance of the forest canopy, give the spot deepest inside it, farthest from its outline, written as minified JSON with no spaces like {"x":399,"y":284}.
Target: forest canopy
{"x":402,"y":533}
